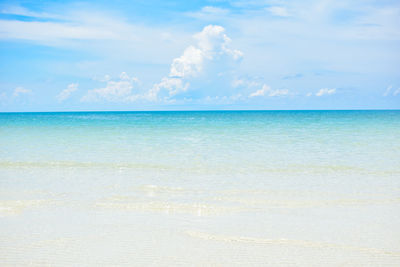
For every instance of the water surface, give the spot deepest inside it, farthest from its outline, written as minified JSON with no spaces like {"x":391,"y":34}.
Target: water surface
{"x":206,"y":188}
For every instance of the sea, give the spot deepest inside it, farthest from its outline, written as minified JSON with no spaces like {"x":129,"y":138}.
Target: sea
{"x":200,"y":188}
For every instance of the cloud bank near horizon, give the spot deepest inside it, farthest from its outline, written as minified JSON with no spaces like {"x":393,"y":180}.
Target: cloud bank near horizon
{"x":209,"y":58}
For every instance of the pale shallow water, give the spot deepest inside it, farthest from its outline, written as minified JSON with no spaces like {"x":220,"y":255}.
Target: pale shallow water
{"x":237,"y":188}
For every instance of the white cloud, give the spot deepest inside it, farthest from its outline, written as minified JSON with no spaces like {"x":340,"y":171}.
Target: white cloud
{"x":279,"y":11}
{"x":212,"y":46}
{"x":171,"y":84}
{"x":214,"y":10}
{"x":98,"y":32}
{"x":21,"y":91}
{"x":209,"y":13}
{"x":237,"y":83}
{"x":223,"y":99}
{"x":119,"y":90}
{"x":261,"y":92}
{"x":387,"y":90}
{"x":189,"y":64}
{"x":326,"y":91}
{"x":21,"y":11}
{"x":267,"y":91}
{"x":104,"y":78}
{"x":213,"y":41}
{"x":125,"y":77}
{"x":51,"y":32}
{"x":64,"y":94}
{"x":396,"y":92}
{"x":279,"y":92}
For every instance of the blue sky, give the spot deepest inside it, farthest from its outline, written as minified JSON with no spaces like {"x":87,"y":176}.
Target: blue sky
{"x":172,"y":55}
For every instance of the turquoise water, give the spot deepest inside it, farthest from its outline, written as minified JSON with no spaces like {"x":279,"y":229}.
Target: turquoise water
{"x":322,"y":186}
{"x":262,"y":139}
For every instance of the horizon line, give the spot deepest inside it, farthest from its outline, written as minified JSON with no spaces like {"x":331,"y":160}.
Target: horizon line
{"x":195,"y":110}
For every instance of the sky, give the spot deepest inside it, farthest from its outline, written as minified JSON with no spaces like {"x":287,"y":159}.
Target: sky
{"x":199,"y":55}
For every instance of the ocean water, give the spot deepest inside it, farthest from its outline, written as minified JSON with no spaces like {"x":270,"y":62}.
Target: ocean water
{"x":200,"y":188}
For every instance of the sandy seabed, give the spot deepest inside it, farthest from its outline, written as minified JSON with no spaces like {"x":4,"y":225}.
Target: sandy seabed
{"x":108,"y":217}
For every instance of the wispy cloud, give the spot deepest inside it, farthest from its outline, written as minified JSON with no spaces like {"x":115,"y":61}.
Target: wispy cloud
{"x":19,"y":91}
{"x":104,"y":78}
{"x":267,"y":91}
{"x":22,"y":11}
{"x":387,"y":92}
{"x":222,"y":99}
{"x":278,"y":11}
{"x":245,"y":83}
{"x":66,"y":93}
{"x":294,"y":76}
{"x":103,"y":33}
{"x":209,"y":13}
{"x":326,"y":91}
{"x":52,"y":32}
{"x":117,"y":90}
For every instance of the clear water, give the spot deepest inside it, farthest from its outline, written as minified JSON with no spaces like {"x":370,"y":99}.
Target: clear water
{"x":207,"y":188}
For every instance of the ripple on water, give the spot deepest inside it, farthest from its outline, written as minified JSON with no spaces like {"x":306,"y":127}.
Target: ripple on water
{"x":168,"y":207}
{"x":15,"y":207}
{"x":289,"y":242}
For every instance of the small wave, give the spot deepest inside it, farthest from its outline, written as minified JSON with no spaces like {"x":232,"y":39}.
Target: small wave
{"x":201,"y":168}
{"x":15,"y":207}
{"x":133,"y":204}
{"x":77,"y":164}
{"x":299,"y":203}
{"x":283,"y":241}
